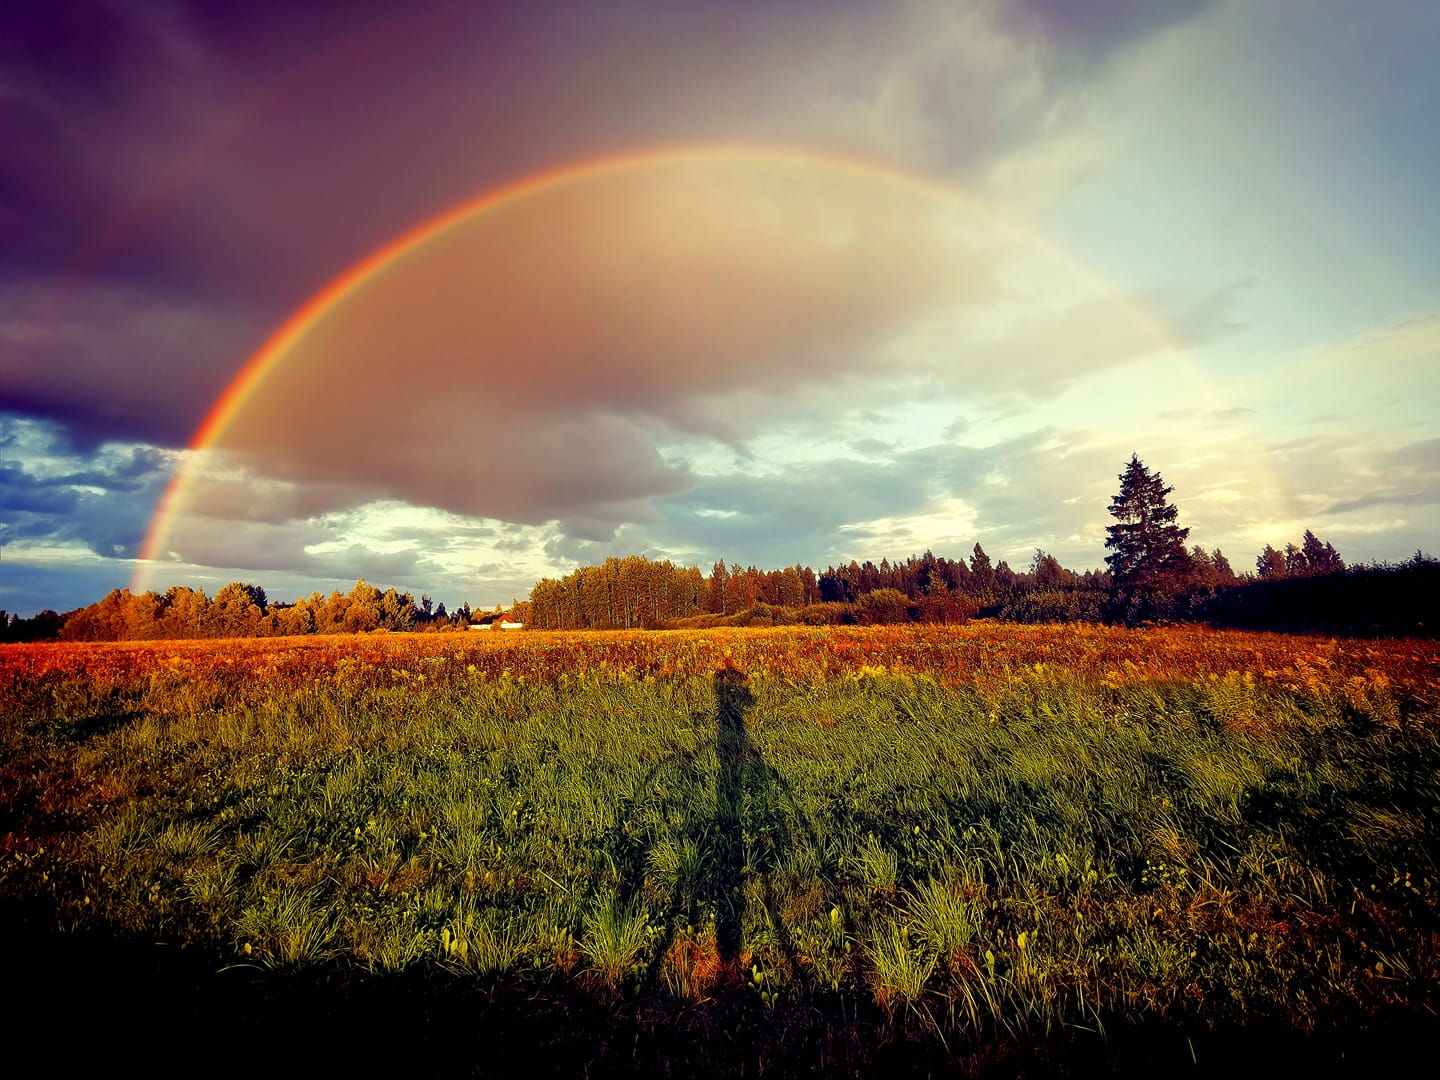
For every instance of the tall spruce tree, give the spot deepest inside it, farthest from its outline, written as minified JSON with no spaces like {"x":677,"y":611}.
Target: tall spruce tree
{"x":1149,"y":560}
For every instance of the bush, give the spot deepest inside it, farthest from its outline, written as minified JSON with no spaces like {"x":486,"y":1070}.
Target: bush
{"x":950,"y":609}
{"x":1056,"y":606}
{"x":829,"y":614}
{"x":761,"y":614}
{"x":884,"y":607}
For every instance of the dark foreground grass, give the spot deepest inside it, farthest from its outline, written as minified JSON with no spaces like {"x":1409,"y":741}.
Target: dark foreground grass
{"x":97,"y":1001}
{"x":1034,"y":869}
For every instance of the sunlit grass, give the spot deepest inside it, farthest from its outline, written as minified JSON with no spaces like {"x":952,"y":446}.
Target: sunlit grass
{"x":615,"y":933}
{"x":991,"y":829}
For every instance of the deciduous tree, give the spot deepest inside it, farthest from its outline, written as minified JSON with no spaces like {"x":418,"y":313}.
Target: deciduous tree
{"x":1270,"y":564}
{"x":1320,"y":558}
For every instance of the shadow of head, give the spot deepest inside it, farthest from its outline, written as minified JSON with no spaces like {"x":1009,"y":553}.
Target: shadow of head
{"x":732,"y":694}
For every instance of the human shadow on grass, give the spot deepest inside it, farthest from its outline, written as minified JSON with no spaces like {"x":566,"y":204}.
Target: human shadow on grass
{"x":750,"y":834}
{"x":738,"y":759}
{"x":733,"y":855}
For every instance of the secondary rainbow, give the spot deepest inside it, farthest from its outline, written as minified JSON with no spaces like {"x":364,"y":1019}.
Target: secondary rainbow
{"x":293,"y":331}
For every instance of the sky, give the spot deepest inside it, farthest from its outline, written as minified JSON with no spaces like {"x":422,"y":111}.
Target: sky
{"x":455,"y":296}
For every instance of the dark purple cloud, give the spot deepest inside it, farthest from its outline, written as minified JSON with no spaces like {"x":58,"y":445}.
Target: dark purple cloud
{"x":227,"y":160}
{"x":116,"y":362}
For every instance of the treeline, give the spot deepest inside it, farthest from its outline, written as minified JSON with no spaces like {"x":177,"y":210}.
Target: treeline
{"x":1308,"y":589}
{"x":1379,"y":600}
{"x":39,"y":627}
{"x":636,"y":593}
{"x":1310,"y":558}
{"x":1303,"y":587}
{"x":242,"y":610}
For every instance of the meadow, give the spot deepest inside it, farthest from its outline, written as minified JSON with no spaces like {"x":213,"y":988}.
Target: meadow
{"x":990,"y":849}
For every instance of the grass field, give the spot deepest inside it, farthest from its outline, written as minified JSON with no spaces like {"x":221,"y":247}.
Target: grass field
{"x":990,"y":849}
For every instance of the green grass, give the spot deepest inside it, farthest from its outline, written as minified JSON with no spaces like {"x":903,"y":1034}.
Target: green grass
{"x":992,"y":864}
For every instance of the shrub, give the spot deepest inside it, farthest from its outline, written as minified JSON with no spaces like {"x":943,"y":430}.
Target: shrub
{"x":884,"y":607}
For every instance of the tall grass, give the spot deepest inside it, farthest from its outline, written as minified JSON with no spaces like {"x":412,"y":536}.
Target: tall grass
{"x":1013,"y":846}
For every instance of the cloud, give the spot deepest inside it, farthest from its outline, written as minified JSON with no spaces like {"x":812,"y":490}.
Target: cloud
{"x":872,"y":447}
{"x":410,"y":547}
{"x":1034,"y":350}
{"x":1012,"y":495}
{"x":1087,"y":32}
{"x":196,"y":146}
{"x":53,"y":496}
{"x":60,"y":585}
{"x":108,"y":362}
{"x":532,"y":364}
{"x":1408,"y":475}
{"x":259,"y":545}
{"x":1235,"y":414}
{"x":562,"y":362}
{"x":1208,"y":318}
{"x":298,"y":558}
{"x":184,"y":177}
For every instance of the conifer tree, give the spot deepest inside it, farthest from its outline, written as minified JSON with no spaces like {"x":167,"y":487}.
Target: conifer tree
{"x":1149,"y":556}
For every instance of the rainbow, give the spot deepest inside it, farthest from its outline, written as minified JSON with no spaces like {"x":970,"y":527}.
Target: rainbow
{"x":293,"y":331}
